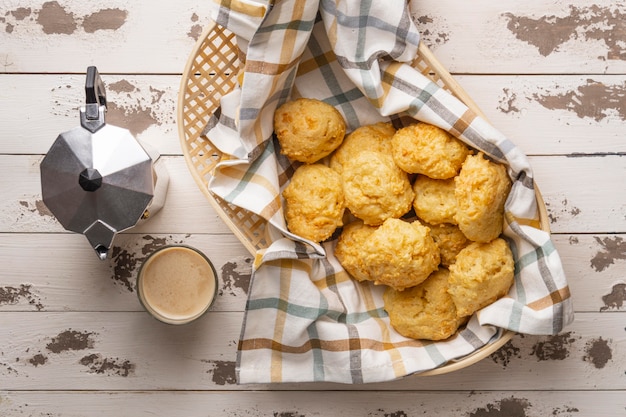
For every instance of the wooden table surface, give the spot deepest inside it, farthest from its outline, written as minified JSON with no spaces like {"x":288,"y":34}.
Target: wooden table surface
{"x":74,"y":340}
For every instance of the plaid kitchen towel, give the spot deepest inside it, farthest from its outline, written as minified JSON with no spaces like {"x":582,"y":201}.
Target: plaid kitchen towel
{"x":305,"y":319}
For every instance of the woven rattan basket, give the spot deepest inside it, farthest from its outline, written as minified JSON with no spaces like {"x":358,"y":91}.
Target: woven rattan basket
{"x":210,"y":73}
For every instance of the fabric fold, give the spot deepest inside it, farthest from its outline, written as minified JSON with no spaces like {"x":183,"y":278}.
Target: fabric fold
{"x":306,"y":319}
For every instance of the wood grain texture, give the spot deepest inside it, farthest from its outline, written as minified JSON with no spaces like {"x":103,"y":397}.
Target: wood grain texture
{"x":533,"y":37}
{"x":560,"y":178}
{"x":38,"y":108}
{"x":302,"y":404}
{"x":133,"y":351}
{"x":538,"y":36}
{"x":74,"y":340}
{"x":143,"y":37}
{"x":64,"y":274}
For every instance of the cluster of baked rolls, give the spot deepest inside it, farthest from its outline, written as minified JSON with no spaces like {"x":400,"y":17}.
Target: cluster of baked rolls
{"x":417,"y":211}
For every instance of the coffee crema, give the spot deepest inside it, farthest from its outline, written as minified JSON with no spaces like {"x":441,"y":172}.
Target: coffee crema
{"x":177,"y":284}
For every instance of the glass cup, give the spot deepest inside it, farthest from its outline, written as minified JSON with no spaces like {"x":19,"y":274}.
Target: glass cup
{"x":177,"y":284}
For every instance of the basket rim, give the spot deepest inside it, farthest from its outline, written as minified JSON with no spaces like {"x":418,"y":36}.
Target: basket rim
{"x":425,"y":54}
{"x":183,"y":142}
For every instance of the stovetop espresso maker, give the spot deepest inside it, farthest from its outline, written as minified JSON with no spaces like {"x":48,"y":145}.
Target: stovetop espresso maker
{"x":97,"y":179}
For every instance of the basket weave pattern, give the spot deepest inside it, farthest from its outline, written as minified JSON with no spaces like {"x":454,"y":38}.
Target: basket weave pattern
{"x":211,"y":72}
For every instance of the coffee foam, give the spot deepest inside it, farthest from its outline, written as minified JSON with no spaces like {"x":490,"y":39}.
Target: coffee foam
{"x":177,"y":283}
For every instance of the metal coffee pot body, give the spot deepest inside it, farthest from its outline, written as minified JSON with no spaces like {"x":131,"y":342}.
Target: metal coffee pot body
{"x":97,"y":179}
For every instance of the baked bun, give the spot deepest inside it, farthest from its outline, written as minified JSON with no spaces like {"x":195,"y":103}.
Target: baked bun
{"x":481,"y":189}
{"x":314,"y":202}
{"x":375,"y":138}
{"x":425,"y":311}
{"x":349,"y":249}
{"x":482,"y":273}
{"x":375,"y":188}
{"x":434,"y":202}
{"x":450,"y":240}
{"x":429,"y":150}
{"x":400,"y":254}
{"x":308,"y":129}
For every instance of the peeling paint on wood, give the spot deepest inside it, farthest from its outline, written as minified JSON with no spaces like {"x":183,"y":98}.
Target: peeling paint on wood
{"x":598,"y":352}
{"x":611,"y":250}
{"x":505,"y":354}
{"x":433,"y":30}
{"x":288,"y":414}
{"x":508,"y":103}
{"x":105,"y":19}
{"x":554,"y":213}
{"x":554,"y":347}
{"x":37,"y":207}
{"x":134,"y":118}
{"x":8,"y":369}
{"x":594,"y":100}
{"x":616,"y":298}
{"x":223,"y":372}
{"x":132,"y":107}
{"x":122,"y":86}
{"x":590,"y":100}
{"x":592,"y":23}
{"x":395,"y":414}
{"x":38,"y":359}
{"x":10,"y":295}
{"x":519,"y":407}
{"x":98,"y":364}
{"x":71,"y":340}
{"x":124,"y":265}
{"x":55,"y":19}
{"x":196,"y":29}
{"x":507,"y":407}
{"x":236,"y":275}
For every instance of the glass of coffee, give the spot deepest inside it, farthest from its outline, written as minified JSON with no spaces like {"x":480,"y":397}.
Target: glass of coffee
{"x":177,"y":284}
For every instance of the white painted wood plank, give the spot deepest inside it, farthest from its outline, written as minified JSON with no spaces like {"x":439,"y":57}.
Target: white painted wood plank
{"x":297,"y":404}
{"x":543,"y":115}
{"x":36,"y":109}
{"x":63,"y":273}
{"x":22,"y":210}
{"x":132,"y":351}
{"x":120,"y":36}
{"x":538,"y":36}
{"x":78,"y":328}
{"x":583,"y":194}
{"x":533,"y":37}
{"x":601,"y":208}
{"x":554,"y":115}
{"x":594,"y":266}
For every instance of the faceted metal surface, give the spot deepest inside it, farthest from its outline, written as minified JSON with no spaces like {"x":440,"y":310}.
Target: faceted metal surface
{"x":126,"y":189}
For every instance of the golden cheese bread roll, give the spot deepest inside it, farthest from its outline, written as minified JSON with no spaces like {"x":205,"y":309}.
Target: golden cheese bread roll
{"x":314,"y":202}
{"x":375,"y":137}
{"x":481,"y":189}
{"x":349,"y":249}
{"x":426,"y":149}
{"x":425,"y":311}
{"x":434,"y":201}
{"x":482,"y":273}
{"x":375,"y":188}
{"x":450,"y":240}
{"x":308,"y":129}
{"x":400,"y":254}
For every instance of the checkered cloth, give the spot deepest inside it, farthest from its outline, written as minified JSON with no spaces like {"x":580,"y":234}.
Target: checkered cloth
{"x":305,"y":319}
